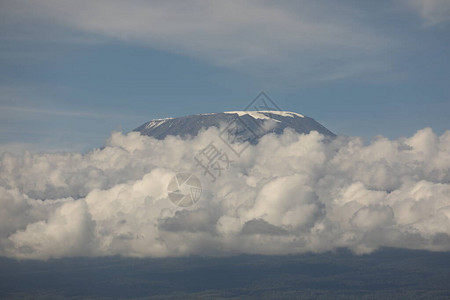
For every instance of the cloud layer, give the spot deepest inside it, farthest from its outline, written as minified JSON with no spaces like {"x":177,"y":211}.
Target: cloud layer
{"x":288,"y":194}
{"x":432,"y":11}
{"x":308,"y":40}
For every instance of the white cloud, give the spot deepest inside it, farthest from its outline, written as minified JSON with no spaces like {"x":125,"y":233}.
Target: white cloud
{"x":316,"y":41}
{"x":288,"y":194}
{"x":16,"y":110}
{"x":432,"y":11}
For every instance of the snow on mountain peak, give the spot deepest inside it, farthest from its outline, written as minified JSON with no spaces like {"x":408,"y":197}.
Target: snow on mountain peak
{"x":156,"y":122}
{"x":265,"y":114}
{"x":191,"y":125}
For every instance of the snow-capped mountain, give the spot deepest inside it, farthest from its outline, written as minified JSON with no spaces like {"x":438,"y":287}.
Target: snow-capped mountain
{"x":244,"y":125}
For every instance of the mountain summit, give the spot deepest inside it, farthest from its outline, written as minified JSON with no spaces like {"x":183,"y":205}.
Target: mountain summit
{"x":245,"y":125}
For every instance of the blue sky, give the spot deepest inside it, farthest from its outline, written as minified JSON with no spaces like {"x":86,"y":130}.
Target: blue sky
{"x":73,"y":71}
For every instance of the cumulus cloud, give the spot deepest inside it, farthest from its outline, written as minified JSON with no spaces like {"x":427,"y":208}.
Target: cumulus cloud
{"x":290,"y":193}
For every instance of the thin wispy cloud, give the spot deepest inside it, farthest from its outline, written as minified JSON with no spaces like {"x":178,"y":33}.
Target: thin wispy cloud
{"x":19,"y":110}
{"x":293,"y":39}
{"x":432,"y":12}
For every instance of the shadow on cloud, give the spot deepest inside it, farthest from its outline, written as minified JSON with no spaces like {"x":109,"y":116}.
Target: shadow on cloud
{"x":290,"y":193}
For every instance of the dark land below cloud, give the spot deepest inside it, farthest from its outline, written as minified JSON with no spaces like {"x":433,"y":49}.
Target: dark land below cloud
{"x":386,"y":274}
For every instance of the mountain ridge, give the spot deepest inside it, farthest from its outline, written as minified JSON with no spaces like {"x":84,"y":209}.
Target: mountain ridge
{"x":245,"y":125}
